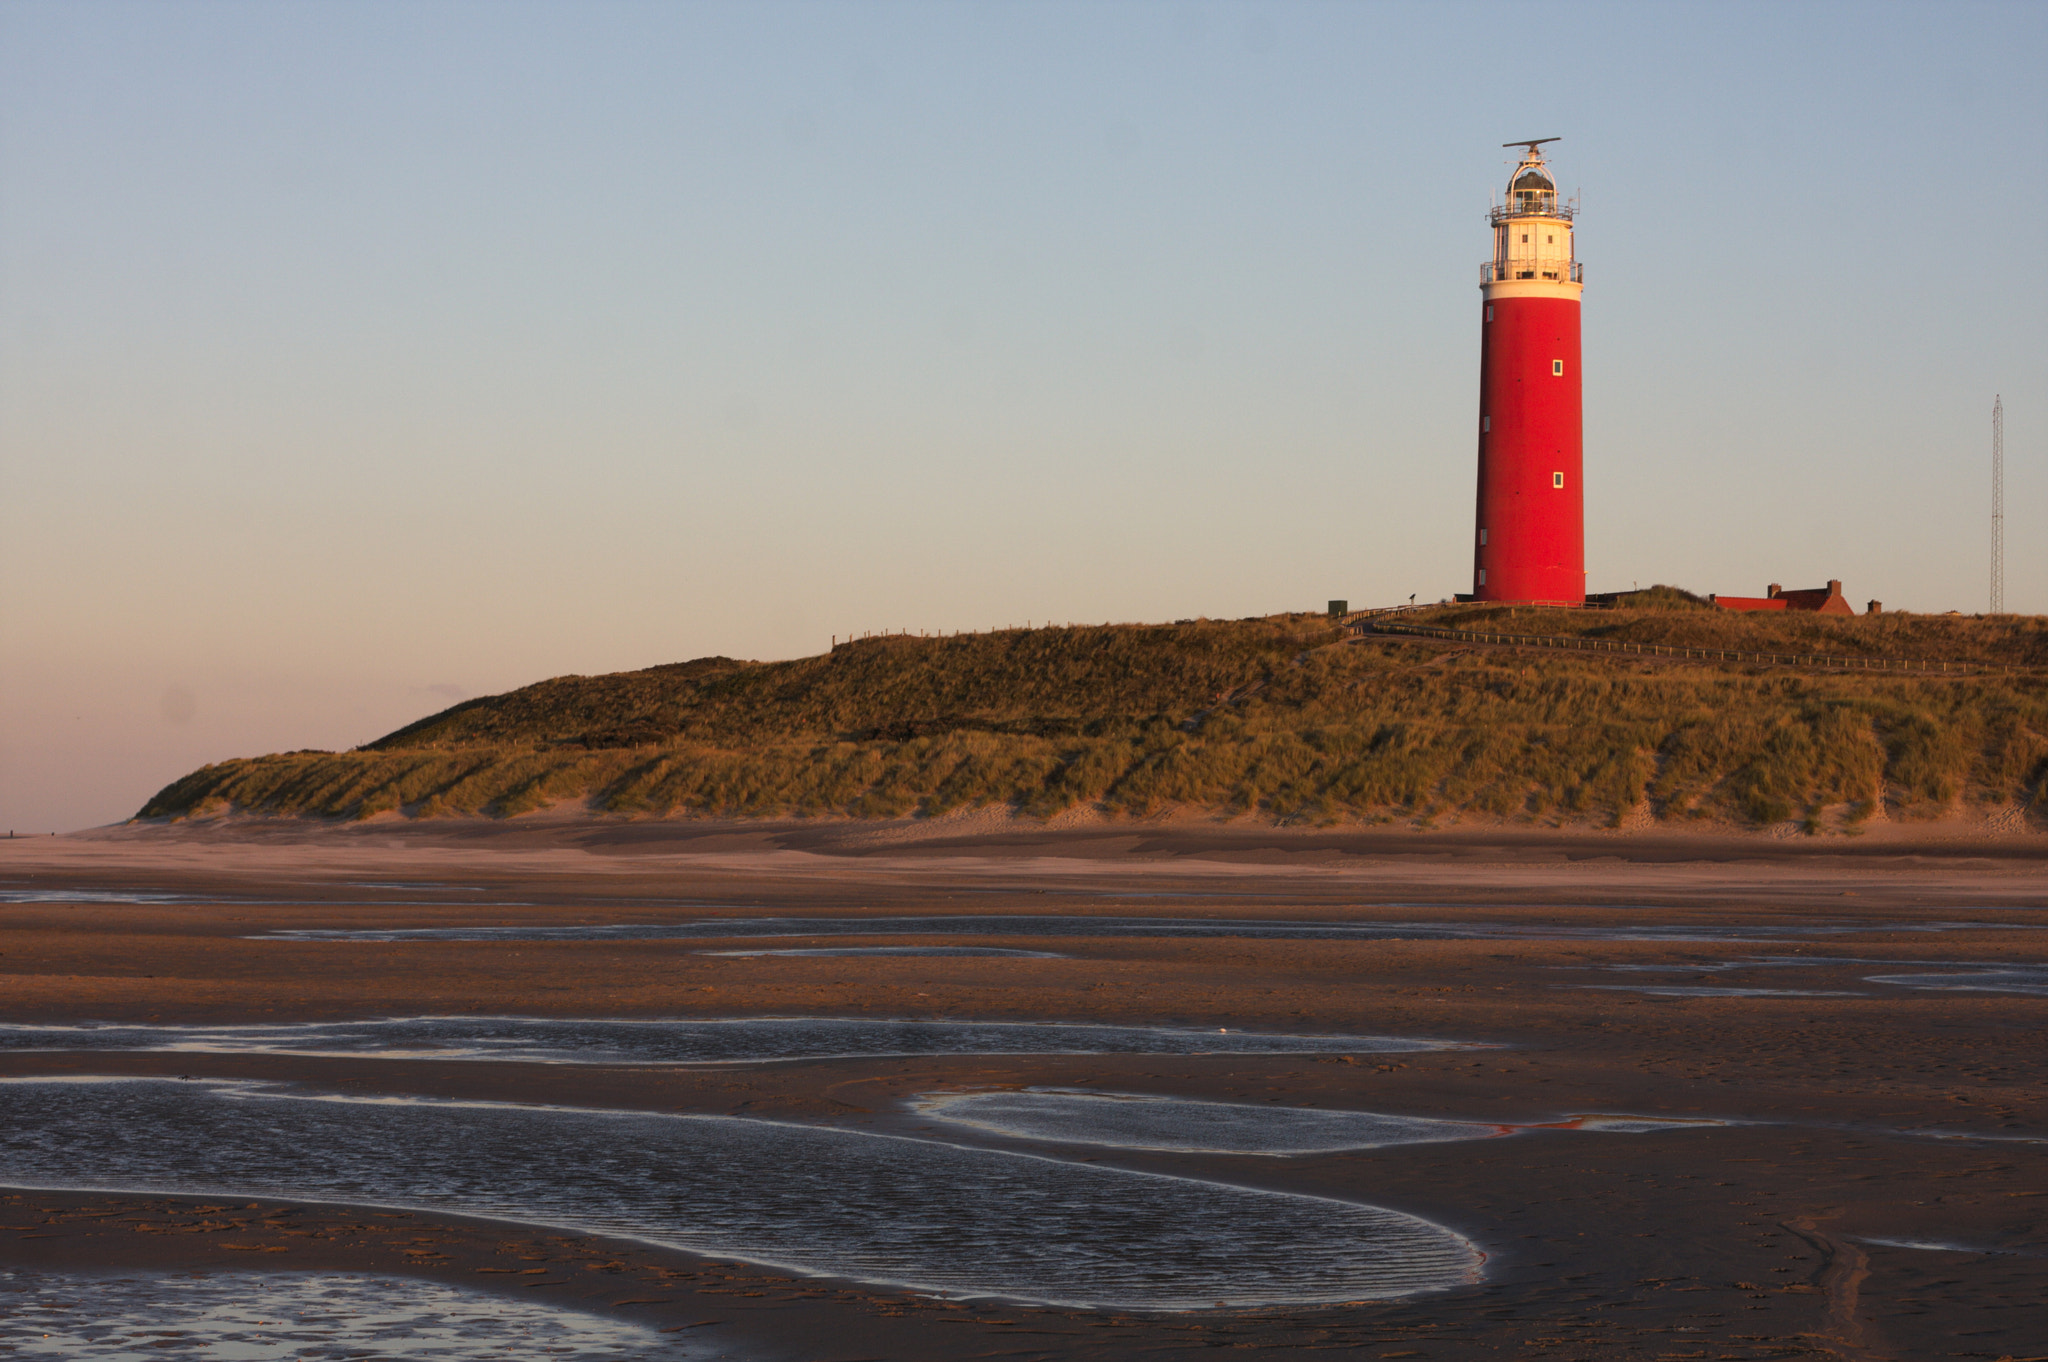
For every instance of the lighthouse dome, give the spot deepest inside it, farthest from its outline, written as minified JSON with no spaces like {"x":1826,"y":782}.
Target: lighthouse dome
{"x":1533,"y":179}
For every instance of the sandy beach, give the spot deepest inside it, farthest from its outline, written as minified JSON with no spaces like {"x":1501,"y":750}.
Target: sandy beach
{"x":1839,"y":1031}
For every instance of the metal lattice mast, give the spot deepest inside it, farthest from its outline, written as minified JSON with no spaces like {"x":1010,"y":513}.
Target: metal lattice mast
{"x":1997,"y":505}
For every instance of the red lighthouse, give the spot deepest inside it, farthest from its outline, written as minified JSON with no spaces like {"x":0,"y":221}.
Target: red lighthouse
{"x":1530,"y":540}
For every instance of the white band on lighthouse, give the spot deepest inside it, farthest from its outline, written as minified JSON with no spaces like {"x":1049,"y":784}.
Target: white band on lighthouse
{"x":1531,"y":288}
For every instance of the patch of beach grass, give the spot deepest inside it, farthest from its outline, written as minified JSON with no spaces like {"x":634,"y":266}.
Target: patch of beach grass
{"x":1284,"y":718}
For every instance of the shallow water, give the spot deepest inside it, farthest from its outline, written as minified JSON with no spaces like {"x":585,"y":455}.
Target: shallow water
{"x":1940,"y":1246}
{"x":884,"y":1209}
{"x":1132,"y":1121}
{"x":1697,"y":967}
{"x":126,"y":1317}
{"x":1055,"y":924}
{"x":433,"y":885}
{"x":974,"y":951}
{"x":8,"y":896}
{"x":2031,"y":980}
{"x":1631,"y":1125}
{"x":1970,"y":976}
{"x":1040,"y":924}
{"x":1183,"y":1125}
{"x":93,"y":896}
{"x":1715,"y":991}
{"x":738,"y":1040}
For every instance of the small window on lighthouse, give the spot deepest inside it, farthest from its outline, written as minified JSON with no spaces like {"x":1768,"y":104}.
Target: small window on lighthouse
{"x":1489,"y":314}
{"x":1549,"y":240}
{"x":1482,"y":576}
{"x":1525,"y":238}
{"x":1482,"y":539}
{"x":1557,"y":480}
{"x":1485,"y":423}
{"x":1557,"y":368}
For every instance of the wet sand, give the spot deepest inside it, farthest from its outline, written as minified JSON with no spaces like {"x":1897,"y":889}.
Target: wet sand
{"x":1861,"y":1111}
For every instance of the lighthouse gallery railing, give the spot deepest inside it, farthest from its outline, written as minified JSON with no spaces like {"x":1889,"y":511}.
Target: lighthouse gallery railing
{"x":1494,"y":271}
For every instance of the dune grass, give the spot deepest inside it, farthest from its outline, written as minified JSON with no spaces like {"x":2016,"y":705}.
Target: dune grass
{"x":1670,"y":617}
{"x":1285,"y":718}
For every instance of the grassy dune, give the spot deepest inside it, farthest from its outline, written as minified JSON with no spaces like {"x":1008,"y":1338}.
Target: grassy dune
{"x":1673,"y":619}
{"x":1283,"y":717}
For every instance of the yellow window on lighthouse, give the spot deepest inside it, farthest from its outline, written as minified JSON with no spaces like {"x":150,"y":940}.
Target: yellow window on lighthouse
{"x":1557,"y":368}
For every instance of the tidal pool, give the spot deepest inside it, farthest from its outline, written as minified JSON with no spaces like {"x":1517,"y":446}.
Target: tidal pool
{"x":959,"y":924}
{"x":887,"y":1209}
{"x":973,"y":951}
{"x":1184,"y":1125}
{"x":1076,"y":924}
{"x":127,"y":1317}
{"x":2024,"y":979}
{"x":1698,"y":967}
{"x":1943,"y":1246}
{"x":1717,"y":991}
{"x":735,"y":1040}
{"x":1630,"y":1125}
{"x":1974,"y":976}
{"x":98,"y":896}
{"x":13,"y":896}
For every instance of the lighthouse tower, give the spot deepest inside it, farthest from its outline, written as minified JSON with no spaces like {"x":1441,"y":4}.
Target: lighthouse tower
{"x":1530,"y":540}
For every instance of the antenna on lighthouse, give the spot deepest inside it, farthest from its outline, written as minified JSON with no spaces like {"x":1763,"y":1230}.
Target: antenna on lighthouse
{"x":1997,"y":505}
{"x":1532,"y":143}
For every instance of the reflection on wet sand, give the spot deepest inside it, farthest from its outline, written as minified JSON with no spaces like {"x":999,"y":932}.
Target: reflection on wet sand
{"x":1182,"y":1125}
{"x":2023,"y":979}
{"x":1088,"y":925}
{"x":879,"y":1208}
{"x":734,"y":1040}
{"x":236,"y":1315}
{"x":970,"y":952}
{"x":1968,"y":976}
{"x":1720,"y":991}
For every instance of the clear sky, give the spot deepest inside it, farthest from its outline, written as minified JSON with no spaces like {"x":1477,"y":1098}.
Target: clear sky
{"x":358,"y":357}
